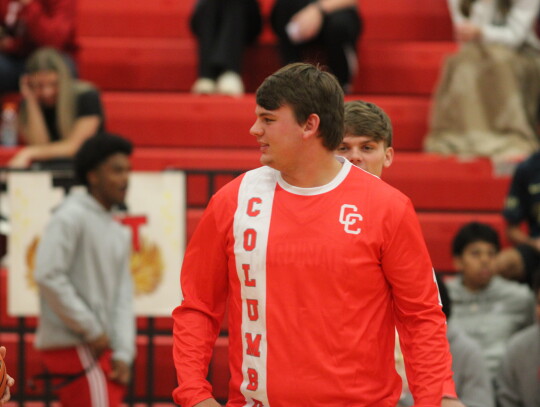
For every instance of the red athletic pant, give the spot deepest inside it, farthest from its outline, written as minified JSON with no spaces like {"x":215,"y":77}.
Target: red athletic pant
{"x":91,"y":389}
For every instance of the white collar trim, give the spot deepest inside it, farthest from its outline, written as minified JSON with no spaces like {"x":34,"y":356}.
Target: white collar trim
{"x":338,"y":179}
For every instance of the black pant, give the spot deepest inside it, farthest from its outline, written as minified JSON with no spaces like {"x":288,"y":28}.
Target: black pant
{"x":224,"y":28}
{"x":337,"y":37}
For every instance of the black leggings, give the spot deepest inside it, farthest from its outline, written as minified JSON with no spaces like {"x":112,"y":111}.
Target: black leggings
{"x":337,"y":38}
{"x":223,"y":29}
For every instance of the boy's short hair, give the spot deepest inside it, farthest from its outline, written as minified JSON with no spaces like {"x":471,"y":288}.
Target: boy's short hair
{"x":474,"y":232}
{"x":307,"y":89}
{"x":96,"y":150}
{"x":367,"y":119}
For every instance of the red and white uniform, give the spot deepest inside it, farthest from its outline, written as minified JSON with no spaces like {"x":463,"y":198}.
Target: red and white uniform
{"x":316,"y":281}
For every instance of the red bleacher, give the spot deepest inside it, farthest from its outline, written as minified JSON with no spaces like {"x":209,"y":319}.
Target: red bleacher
{"x":142,"y":55}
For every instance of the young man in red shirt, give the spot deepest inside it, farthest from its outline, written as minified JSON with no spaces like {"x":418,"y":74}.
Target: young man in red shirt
{"x":317,"y":262}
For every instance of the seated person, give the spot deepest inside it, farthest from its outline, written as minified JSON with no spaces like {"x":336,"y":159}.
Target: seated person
{"x":473,"y":385}
{"x":522,"y":206}
{"x":25,"y":26}
{"x":518,"y":380}
{"x":486,"y":102}
{"x":368,"y":137}
{"x":333,"y":25}
{"x":488,"y":308}
{"x":223,"y":29}
{"x":58,"y":113}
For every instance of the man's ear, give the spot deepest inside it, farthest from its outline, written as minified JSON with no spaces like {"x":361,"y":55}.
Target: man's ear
{"x":311,"y":126}
{"x":388,"y":157}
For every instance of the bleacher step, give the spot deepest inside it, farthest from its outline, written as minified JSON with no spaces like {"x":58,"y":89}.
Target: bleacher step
{"x":395,"y":20}
{"x":184,"y":120}
{"x":166,"y":64}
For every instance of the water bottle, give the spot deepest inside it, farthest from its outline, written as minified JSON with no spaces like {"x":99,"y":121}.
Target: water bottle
{"x":8,"y":128}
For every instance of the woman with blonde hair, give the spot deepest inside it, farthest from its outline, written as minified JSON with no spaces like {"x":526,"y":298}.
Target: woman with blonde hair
{"x":486,"y":103}
{"x":57,"y":112}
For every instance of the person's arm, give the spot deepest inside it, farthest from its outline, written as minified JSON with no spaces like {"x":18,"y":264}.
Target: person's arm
{"x":197,"y":321}
{"x":89,"y":118}
{"x":519,"y":22}
{"x":455,"y":13}
{"x":56,"y":251}
{"x":4,"y":398}
{"x":52,"y":27}
{"x":419,"y":318}
{"x":517,"y":236}
{"x":309,"y":20}
{"x":123,"y":337}
{"x":34,"y":130}
{"x":83,"y":128}
{"x":329,"y":6}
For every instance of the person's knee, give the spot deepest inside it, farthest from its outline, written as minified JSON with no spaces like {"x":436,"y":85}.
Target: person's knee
{"x":509,"y":264}
{"x":341,"y":27}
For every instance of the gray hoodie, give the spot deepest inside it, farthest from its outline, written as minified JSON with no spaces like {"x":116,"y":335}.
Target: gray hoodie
{"x":84,"y":279}
{"x":519,"y":378}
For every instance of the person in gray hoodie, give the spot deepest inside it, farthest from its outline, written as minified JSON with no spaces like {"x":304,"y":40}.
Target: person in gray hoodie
{"x":518,"y":382}
{"x":485,"y":306}
{"x":86,"y":330}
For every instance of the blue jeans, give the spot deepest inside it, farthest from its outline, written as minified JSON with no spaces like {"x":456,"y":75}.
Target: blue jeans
{"x":11,"y":68}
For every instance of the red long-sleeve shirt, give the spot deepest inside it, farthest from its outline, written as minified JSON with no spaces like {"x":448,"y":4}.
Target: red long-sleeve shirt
{"x":316,"y":281}
{"x":42,"y":23}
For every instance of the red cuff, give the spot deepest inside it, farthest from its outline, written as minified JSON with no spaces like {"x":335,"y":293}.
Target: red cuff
{"x":449,"y":389}
{"x":189,"y":394}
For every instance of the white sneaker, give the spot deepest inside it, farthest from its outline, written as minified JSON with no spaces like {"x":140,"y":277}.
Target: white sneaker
{"x":204,"y":86}
{"x":230,"y":83}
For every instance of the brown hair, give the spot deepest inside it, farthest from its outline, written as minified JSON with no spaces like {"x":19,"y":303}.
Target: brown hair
{"x":307,"y":89}
{"x":503,"y":6}
{"x":48,"y":59}
{"x":368,"y":119}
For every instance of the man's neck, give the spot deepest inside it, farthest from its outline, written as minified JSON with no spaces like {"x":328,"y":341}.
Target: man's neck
{"x":313,"y":173}
{"x":106,"y":205}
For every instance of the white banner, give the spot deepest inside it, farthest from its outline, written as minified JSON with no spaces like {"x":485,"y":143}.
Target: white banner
{"x":157,"y":217}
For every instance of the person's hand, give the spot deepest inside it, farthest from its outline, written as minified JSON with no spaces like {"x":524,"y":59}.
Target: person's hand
{"x":208,"y":403}
{"x":22,"y":159}
{"x":25,"y":88}
{"x":308,"y":22}
{"x":467,"y":32}
{"x":509,"y":264}
{"x":446,"y":402}
{"x":535,"y":243}
{"x":4,"y":398}
{"x":121,"y":372}
{"x":99,"y":345}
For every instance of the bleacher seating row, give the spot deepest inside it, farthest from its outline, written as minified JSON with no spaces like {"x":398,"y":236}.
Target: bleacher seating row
{"x":153,"y":119}
{"x":148,"y":64}
{"x":413,"y":20}
{"x":150,"y":44}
